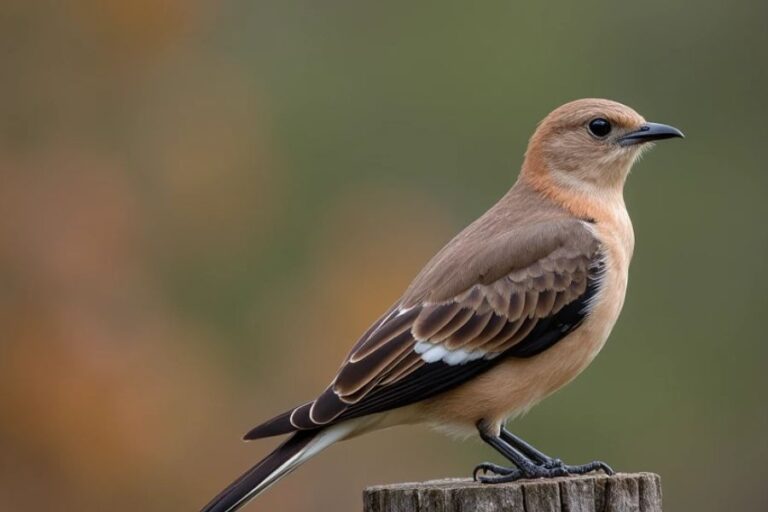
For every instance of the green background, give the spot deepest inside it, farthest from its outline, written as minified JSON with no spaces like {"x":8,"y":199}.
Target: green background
{"x":202,"y":204}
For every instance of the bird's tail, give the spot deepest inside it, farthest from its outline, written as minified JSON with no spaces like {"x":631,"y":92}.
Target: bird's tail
{"x":299,"y":448}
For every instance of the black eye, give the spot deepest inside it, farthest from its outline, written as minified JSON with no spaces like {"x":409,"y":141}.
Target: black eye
{"x":599,"y":127}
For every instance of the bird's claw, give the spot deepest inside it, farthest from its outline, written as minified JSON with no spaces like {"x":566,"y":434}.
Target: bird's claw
{"x":596,"y":465}
{"x":499,"y":473}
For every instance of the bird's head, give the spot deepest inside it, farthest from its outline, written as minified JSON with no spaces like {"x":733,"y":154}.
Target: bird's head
{"x":590,"y":144}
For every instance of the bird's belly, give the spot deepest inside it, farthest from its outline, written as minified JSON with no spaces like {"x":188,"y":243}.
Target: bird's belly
{"x":516,"y":384}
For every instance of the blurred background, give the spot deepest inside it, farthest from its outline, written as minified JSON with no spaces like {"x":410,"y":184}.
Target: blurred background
{"x":199,"y":203}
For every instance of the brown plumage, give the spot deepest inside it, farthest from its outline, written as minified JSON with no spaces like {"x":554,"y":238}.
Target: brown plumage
{"x":509,"y":311}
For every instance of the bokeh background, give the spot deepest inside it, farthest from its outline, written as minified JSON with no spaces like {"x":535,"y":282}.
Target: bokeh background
{"x":203,"y":203}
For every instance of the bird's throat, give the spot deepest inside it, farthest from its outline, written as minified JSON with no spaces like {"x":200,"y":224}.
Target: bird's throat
{"x":583,"y":200}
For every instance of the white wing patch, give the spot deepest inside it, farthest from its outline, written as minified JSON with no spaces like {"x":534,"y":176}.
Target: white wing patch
{"x":432,"y":353}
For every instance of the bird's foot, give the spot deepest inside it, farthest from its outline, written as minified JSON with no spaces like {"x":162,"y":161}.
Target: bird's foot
{"x":553,"y":463}
{"x":581,"y":469}
{"x":489,"y":473}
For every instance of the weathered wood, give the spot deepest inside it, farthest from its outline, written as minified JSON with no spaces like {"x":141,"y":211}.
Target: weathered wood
{"x":623,"y":492}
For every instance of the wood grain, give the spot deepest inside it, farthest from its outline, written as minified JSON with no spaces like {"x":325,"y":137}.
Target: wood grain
{"x":623,"y":492}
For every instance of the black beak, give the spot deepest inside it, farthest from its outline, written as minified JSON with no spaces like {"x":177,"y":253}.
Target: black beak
{"x":650,"y":132}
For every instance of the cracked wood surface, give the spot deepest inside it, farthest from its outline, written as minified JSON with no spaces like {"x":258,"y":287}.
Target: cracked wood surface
{"x":623,"y":492}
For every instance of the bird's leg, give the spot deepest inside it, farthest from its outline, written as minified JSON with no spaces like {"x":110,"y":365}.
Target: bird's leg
{"x":528,"y":450}
{"x":550,"y":462}
{"x":523,"y":467}
{"x":528,"y":461}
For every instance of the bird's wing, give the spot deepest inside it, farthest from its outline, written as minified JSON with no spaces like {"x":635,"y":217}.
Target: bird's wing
{"x":516,"y":296}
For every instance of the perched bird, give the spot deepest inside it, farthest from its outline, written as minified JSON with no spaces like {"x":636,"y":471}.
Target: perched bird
{"x":509,"y":311}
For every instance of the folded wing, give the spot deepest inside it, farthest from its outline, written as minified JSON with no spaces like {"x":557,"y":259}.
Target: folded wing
{"x":515,"y":297}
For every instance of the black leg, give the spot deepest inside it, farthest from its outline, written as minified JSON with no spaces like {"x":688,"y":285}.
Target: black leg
{"x":528,"y":450}
{"x":528,"y":461}
{"x":524,"y":467}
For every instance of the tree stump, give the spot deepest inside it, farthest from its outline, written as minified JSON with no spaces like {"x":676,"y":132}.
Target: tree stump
{"x":623,"y":492}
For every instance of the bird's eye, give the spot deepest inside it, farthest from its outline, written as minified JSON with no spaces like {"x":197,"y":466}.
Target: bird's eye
{"x":599,"y":127}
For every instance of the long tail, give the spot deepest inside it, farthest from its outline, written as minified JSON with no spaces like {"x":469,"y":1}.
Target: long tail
{"x":299,"y":448}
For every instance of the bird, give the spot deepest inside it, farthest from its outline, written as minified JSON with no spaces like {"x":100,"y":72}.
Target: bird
{"x":510,"y":310}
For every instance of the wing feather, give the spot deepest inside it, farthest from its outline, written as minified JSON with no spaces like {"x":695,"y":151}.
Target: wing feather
{"x":469,"y":331}
{"x":433,"y":319}
{"x":458,"y":321}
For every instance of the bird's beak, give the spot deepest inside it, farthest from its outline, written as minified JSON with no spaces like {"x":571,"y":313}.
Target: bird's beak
{"x":650,"y":132}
